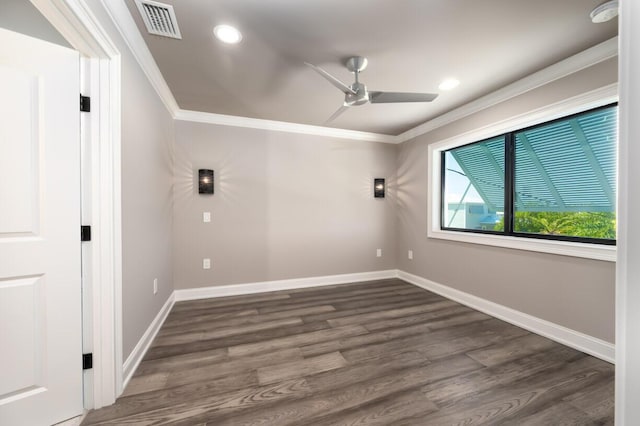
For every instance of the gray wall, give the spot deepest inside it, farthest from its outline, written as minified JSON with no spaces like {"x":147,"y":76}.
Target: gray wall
{"x":285,"y":206}
{"x":23,"y":17}
{"x":147,"y":203}
{"x":574,"y":292}
{"x":289,"y":206}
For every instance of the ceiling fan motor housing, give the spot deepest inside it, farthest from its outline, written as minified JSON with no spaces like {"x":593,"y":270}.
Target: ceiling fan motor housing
{"x":360,"y":97}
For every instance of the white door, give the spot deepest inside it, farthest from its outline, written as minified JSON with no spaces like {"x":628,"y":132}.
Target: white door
{"x":40,"y":311}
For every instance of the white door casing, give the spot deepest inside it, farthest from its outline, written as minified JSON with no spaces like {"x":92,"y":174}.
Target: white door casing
{"x":40,"y":300}
{"x":78,"y":24}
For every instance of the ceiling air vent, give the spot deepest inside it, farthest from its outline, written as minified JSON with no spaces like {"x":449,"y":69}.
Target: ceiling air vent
{"x":159,"y":18}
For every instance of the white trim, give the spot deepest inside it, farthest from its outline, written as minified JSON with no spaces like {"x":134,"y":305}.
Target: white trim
{"x":592,"y":56}
{"x":108,"y":242}
{"x":74,"y":421}
{"x":595,"y":98}
{"x":280,"y":126}
{"x":131,"y":34}
{"x":580,"y":341}
{"x":141,"y":348}
{"x":119,"y":14}
{"x":579,"y":103}
{"x":266,"y":286}
{"x":627,"y":379}
{"x":562,"y":248}
{"x":566,"y":336}
{"x":75,"y":21}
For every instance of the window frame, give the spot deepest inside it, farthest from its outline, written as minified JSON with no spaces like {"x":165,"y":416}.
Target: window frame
{"x":442,"y":192}
{"x":564,"y":245}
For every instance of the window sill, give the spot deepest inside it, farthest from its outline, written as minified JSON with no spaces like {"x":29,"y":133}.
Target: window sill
{"x":563,"y":248}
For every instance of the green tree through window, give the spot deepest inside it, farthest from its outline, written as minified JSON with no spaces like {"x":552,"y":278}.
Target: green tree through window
{"x":579,"y":224}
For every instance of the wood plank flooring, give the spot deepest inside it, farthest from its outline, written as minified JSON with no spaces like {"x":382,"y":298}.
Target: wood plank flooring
{"x":376,"y":353}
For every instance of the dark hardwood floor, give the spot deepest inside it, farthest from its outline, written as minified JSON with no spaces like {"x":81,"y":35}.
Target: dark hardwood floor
{"x":375,"y":353}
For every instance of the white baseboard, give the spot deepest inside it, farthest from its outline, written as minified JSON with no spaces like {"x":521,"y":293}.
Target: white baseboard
{"x":133,"y":360}
{"x":265,"y":286}
{"x":74,"y":421}
{"x":141,"y":348}
{"x":580,"y":341}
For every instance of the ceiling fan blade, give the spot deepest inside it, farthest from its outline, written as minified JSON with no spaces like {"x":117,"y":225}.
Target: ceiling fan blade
{"x":335,"y":115}
{"x":390,"y":97}
{"x":331,"y":79}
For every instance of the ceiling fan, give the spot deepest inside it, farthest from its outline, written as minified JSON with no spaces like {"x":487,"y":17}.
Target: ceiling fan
{"x":357,"y":93}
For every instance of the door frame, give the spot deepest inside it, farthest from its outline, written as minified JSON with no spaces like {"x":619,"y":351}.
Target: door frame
{"x":102,"y":61}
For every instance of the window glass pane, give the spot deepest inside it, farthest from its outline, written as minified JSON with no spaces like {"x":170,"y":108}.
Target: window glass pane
{"x":565,"y":177}
{"x":474,"y":186}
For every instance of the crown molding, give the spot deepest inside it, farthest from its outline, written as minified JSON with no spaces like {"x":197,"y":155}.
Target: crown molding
{"x":125,"y":24}
{"x":129,"y":31}
{"x":592,"y":56}
{"x":280,"y":126}
{"x":76,"y":23}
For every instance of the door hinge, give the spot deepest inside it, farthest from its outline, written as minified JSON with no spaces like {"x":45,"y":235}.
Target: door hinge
{"x":85,"y":233}
{"x":87,"y":361}
{"x":85,"y":103}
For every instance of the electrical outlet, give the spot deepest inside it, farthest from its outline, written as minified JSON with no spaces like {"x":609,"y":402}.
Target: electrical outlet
{"x":410,"y":254}
{"x":206,"y":217}
{"x":206,"y":263}
{"x":379,"y":253}
{"x":155,"y":286}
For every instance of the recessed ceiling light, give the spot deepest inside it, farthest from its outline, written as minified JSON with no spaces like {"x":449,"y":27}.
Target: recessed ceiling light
{"x":605,"y":12}
{"x":448,"y":84}
{"x":227,"y":34}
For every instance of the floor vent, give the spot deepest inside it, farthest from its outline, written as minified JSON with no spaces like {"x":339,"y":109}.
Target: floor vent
{"x":159,"y":18}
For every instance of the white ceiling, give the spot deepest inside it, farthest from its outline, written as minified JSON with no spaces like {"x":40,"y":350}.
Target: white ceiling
{"x":412,"y":45}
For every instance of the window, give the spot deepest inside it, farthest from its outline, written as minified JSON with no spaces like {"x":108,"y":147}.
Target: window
{"x":555,"y":181}
{"x":473,"y":185}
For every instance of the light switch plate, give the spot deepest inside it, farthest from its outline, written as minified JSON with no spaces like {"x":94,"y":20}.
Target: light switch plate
{"x":206,"y":217}
{"x":410,"y":254}
{"x":206,"y":263}
{"x":379,"y":252}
